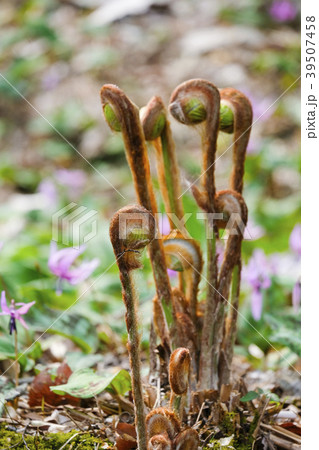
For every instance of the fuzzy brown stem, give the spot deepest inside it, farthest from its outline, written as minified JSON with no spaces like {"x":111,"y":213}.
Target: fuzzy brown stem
{"x":161,"y":326}
{"x":228,"y":202}
{"x":206,"y":362}
{"x":152,"y":354}
{"x":130,"y":300}
{"x":243,"y":117}
{"x":136,"y":152}
{"x":170,"y":163}
{"x":230,"y":330}
{"x":167,"y":166}
{"x":131,"y":230}
{"x":208,"y":95}
{"x":187,"y":251}
{"x":177,"y":404}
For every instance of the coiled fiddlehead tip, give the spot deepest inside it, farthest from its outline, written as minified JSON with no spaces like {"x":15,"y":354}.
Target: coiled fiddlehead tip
{"x":180,"y":253}
{"x":230,"y":202}
{"x":162,"y":421}
{"x":109,"y":111}
{"x":160,"y":442}
{"x":187,"y":440}
{"x":189,"y":111}
{"x":242,"y":123}
{"x":226,"y":118}
{"x":153,"y":118}
{"x":179,"y":370}
{"x":111,"y":118}
{"x":191,"y":101}
{"x":241,"y":105}
{"x":132,"y":228}
{"x":119,"y":111}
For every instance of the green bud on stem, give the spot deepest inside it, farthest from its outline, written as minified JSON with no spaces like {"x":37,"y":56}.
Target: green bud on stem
{"x":194,"y":110}
{"x":189,"y":111}
{"x":153,"y":119}
{"x":111,"y":118}
{"x":226,"y":119}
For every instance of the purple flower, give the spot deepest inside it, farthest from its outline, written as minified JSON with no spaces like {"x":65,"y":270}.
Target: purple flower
{"x":295,"y":240}
{"x":220,"y":253}
{"x":256,"y":304}
{"x":15,"y":314}
{"x":257,"y":275}
{"x":73,"y":180}
{"x":165,"y":229}
{"x":164,"y":225}
{"x":296,"y":296}
{"x":172,"y":273}
{"x":253,"y":231}
{"x":283,"y":10}
{"x":262,"y":106}
{"x":53,"y":76}
{"x":254,"y":145}
{"x":48,"y":189}
{"x":60,"y":262}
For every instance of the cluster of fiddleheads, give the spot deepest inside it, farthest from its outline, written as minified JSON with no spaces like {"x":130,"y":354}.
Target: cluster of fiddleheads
{"x":196,"y":337}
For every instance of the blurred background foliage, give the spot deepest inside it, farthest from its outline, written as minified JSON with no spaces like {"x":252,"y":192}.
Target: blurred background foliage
{"x":56,"y":149}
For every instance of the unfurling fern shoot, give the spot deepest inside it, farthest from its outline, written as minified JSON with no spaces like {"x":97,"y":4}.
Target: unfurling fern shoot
{"x":132,"y":228}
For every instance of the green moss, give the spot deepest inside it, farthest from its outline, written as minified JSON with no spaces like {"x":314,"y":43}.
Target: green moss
{"x":242,"y":437}
{"x":228,"y":424}
{"x":50,"y":441}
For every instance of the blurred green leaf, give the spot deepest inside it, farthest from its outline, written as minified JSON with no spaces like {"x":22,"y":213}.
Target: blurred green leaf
{"x":251,"y":395}
{"x":286,"y":331}
{"x":85,"y":383}
{"x":77,"y":360}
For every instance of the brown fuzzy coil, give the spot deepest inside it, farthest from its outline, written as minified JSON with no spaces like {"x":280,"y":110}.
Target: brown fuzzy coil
{"x":161,"y":421}
{"x":179,"y":368}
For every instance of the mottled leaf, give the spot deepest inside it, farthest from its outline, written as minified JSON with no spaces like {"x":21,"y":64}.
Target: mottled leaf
{"x":85,"y":383}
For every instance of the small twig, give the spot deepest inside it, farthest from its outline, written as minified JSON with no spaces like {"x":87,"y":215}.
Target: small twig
{"x":73,"y":420}
{"x":282,"y":443}
{"x":152,"y":354}
{"x":99,"y":408}
{"x":69,"y":440}
{"x":282,"y":432}
{"x":261,"y":413}
{"x":158,"y":396}
{"x":14,"y":445}
{"x":24,"y":441}
{"x":199,"y":414}
{"x":209,"y":437}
